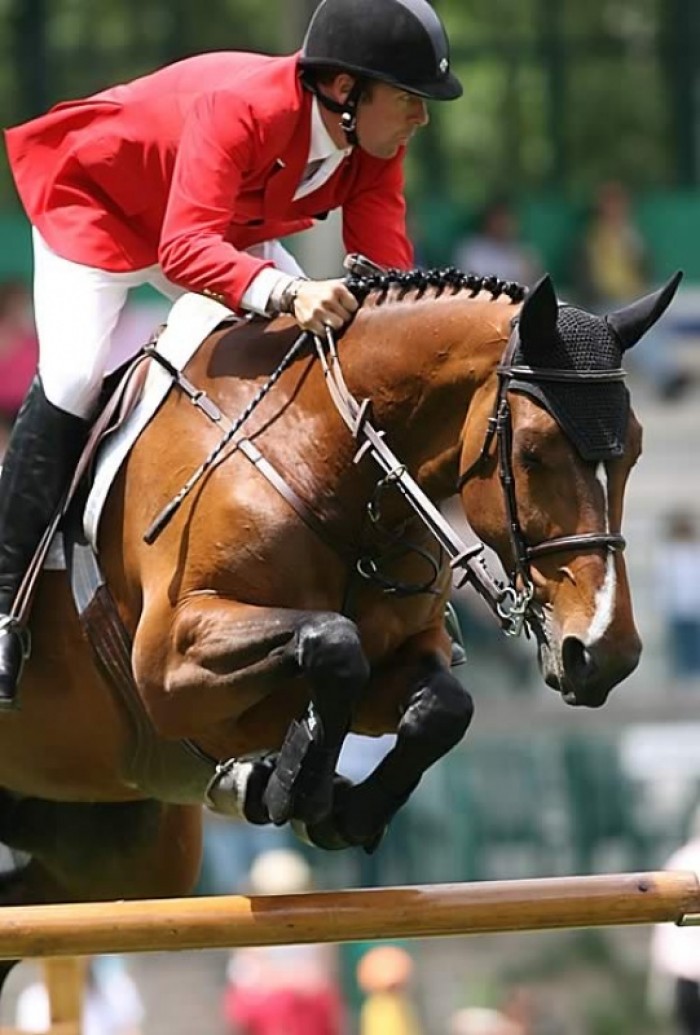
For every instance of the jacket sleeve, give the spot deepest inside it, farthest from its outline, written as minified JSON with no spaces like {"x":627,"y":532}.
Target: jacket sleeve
{"x":374,"y":216}
{"x":218,"y":145}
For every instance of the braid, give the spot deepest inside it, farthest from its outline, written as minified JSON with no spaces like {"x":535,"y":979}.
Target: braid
{"x":439,"y":281}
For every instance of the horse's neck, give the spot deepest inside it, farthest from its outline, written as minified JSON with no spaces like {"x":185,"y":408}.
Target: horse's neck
{"x":410,"y":351}
{"x":420,"y":363}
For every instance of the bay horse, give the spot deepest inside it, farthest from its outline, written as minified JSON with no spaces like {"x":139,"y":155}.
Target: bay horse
{"x":295,"y":593}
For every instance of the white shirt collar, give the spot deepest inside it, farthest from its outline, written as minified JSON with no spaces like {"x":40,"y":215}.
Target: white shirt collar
{"x":322,"y":144}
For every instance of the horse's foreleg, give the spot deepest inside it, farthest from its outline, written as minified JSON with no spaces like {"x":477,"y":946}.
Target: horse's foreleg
{"x":203,"y":668}
{"x":211,"y":682}
{"x":328,"y":651}
{"x":436,"y":716}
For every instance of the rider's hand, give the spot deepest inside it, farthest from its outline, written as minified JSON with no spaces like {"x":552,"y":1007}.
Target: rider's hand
{"x":323,"y":303}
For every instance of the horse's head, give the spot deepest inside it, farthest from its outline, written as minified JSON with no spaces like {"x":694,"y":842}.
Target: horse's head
{"x":547,"y":449}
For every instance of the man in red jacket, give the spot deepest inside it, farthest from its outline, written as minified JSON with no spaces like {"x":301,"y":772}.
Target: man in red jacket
{"x":186,"y":179}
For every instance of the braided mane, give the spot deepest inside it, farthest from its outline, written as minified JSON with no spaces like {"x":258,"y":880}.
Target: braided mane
{"x":395,"y":285}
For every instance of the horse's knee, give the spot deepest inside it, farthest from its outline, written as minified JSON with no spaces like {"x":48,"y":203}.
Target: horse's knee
{"x":441,"y":710}
{"x":329,"y":645}
{"x":328,"y":650}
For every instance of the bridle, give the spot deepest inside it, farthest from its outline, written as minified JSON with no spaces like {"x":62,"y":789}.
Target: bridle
{"x":500,"y":428}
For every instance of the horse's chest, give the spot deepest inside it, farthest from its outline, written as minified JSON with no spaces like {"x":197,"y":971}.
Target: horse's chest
{"x":387,"y":623}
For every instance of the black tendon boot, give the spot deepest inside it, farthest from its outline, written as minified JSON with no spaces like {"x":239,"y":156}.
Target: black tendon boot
{"x":42,"y":453}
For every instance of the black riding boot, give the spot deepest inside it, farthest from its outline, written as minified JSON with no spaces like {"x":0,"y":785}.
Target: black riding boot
{"x":42,"y":453}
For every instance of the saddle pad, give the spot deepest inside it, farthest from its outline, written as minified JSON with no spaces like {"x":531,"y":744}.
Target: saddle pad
{"x":191,"y":319}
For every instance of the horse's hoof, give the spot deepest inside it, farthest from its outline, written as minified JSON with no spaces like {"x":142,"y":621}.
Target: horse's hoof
{"x":320,"y":835}
{"x":334,"y":833}
{"x":329,"y":836}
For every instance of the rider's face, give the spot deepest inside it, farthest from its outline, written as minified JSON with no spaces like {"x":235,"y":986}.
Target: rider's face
{"x":388,"y":118}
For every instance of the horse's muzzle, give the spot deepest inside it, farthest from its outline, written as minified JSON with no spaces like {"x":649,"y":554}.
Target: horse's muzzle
{"x":590,"y":672}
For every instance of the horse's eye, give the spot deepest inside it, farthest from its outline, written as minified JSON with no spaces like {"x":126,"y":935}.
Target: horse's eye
{"x":530,"y":458}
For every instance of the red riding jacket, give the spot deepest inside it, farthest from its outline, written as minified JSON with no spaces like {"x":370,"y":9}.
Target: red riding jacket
{"x":188,"y":165}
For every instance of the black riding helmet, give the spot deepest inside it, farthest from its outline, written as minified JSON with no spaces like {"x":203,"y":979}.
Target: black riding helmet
{"x":400,"y":42}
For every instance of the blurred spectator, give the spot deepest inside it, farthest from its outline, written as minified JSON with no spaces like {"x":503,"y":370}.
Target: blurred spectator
{"x":612,"y":267}
{"x":384,"y":974}
{"x":520,"y":1013}
{"x":112,"y":1004}
{"x":283,"y":989}
{"x":18,"y":352}
{"x":529,"y":1013}
{"x":678,"y":582}
{"x":229,"y":850}
{"x":496,"y":247}
{"x":675,"y":953}
{"x":478,"y":1020}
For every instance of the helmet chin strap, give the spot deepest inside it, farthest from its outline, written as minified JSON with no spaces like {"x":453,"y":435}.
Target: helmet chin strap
{"x":347,"y":111}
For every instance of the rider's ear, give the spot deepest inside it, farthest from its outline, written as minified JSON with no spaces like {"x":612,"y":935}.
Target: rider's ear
{"x":538,"y":316}
{"x":342,"y":87}
{"x":631,"y":323}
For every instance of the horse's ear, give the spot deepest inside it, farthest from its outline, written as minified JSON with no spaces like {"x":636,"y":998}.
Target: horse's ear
{"x":631,"y":323}
{"x":538,"y":316}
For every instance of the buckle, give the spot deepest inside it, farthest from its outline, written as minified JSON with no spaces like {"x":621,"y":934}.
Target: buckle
{"x":513,"y":606}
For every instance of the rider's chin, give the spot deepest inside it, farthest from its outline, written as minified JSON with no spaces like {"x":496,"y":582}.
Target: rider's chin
{"x":385,"y":151}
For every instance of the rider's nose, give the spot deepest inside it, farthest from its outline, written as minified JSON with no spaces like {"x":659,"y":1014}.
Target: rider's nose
{"x":419,"y":114}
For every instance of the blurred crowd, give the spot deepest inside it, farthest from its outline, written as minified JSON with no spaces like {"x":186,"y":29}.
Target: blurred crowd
{"x":609,"y":265}
{"x":18,"y":351}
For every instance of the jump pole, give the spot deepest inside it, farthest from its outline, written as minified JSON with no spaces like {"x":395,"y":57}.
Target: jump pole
{"x":175,"y":925}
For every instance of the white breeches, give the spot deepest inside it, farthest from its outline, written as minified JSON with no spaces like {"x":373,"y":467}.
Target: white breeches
{"x":76,"y":309}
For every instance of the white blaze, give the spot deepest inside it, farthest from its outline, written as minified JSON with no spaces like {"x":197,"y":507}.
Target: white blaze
{"x":605,"y":597}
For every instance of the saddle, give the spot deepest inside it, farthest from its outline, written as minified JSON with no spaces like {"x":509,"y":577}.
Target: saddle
{"x":122,"y":391}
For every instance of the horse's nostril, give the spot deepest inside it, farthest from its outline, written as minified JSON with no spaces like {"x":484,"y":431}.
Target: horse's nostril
{"x":579,"y":664}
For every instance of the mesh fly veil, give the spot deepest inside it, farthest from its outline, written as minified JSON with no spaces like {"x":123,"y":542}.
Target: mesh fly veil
{"x":592,"y":414}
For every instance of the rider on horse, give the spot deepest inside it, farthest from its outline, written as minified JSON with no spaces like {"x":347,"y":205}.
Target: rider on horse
{"x":185,"y":179}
